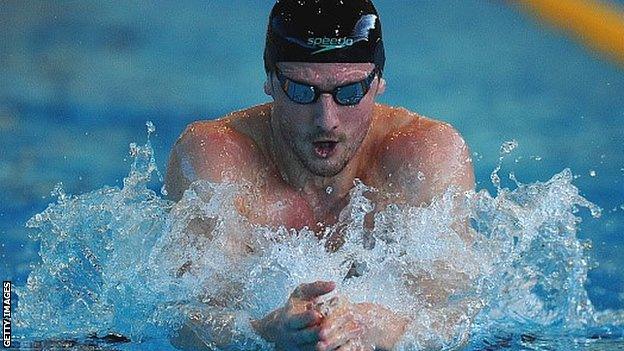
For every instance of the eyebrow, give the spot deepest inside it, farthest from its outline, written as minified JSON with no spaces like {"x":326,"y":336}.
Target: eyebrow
{"x":335,"y":85}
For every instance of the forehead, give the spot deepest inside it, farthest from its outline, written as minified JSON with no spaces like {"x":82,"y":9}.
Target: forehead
{"x":326,"y":75}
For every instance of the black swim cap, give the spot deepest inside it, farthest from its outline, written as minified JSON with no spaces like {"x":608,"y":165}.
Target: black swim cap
{"x":324,"y":31}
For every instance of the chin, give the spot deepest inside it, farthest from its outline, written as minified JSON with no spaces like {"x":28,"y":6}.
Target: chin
{"x":325,"y":172}
{"x":326,"y":168}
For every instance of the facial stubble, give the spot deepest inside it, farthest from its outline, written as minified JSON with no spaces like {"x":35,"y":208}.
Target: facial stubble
{"x":300,"y":146}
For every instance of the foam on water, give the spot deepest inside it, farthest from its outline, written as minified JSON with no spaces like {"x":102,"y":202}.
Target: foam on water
{"x":127,"y":261}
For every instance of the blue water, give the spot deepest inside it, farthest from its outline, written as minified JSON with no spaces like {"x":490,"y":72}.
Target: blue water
{"x":112,"y":258}
{"x":78,"y":80}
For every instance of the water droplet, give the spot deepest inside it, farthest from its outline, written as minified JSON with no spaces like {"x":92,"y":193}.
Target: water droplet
{"x":150,"y":127}
{"x":420,"y":175}
{"x":59,"y":192}
{"x":512,"y":176}
{"x":495,"y":179}
{"x":595,"y":211}
{"x":134,"y":150}
{"x":329,"y":190}
{"x":592,"y":173}
{"x":508,"y":147}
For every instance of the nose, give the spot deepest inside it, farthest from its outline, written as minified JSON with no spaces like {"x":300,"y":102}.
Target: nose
{"x":326,"y":114}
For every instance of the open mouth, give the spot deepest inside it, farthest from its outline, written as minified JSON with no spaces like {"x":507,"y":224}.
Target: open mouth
{"x":324,"y":149}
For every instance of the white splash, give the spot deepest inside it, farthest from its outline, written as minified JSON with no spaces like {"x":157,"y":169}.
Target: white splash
{"x":130,"y":262}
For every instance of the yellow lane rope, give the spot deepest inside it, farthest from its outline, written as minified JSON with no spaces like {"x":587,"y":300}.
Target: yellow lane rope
{"x":597,"y":24}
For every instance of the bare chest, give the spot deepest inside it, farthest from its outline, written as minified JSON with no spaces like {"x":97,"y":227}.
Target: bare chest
{"x":275,"y":203}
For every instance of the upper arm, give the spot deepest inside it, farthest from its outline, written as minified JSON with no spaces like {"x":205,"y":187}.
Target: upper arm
{"x":207,"y":150}
{"x":217,"y":153}
{"x":420,"y":165}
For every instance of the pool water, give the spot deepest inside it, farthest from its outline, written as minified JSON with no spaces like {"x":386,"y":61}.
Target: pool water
{"x":79,"y":80}
{"x":112,"y":259}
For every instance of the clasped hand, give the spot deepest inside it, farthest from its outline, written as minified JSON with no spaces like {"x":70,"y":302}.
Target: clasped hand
{"x":304,"y":323}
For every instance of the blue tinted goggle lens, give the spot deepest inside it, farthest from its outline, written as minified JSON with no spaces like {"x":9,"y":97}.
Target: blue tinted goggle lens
{"x":301,"y":93}
{"x":351,"y":94}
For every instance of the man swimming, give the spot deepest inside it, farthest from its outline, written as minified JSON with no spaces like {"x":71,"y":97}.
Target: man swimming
{"x":302,"y":152}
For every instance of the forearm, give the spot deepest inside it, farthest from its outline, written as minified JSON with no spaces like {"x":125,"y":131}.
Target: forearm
{"x":386,"y":327}
{"x":439,"y":329}
{"x":187,"y":339}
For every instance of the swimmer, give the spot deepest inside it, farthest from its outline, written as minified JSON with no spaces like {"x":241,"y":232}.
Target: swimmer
{"x":302,"y":152}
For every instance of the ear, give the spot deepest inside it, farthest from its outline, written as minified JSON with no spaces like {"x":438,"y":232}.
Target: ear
{"x":381,"y":86}
{"x":268,"y":89}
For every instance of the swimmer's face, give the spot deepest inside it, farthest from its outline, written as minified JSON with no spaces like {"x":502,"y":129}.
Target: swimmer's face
{"x":323,"y":135}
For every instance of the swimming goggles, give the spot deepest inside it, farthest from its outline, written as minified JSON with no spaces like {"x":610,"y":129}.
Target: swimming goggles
{"x":346,"y":95}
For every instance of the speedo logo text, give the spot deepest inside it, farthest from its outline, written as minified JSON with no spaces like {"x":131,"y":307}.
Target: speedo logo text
{"x":330,"y":43}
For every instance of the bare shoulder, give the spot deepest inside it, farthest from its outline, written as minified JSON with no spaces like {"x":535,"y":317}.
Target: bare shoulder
{"x":214,"y":150}
{"x":418,"y":149}
{"x":407,"y":134}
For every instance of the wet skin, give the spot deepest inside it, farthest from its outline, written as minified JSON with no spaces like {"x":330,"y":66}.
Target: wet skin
{"x":291,"y":154}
